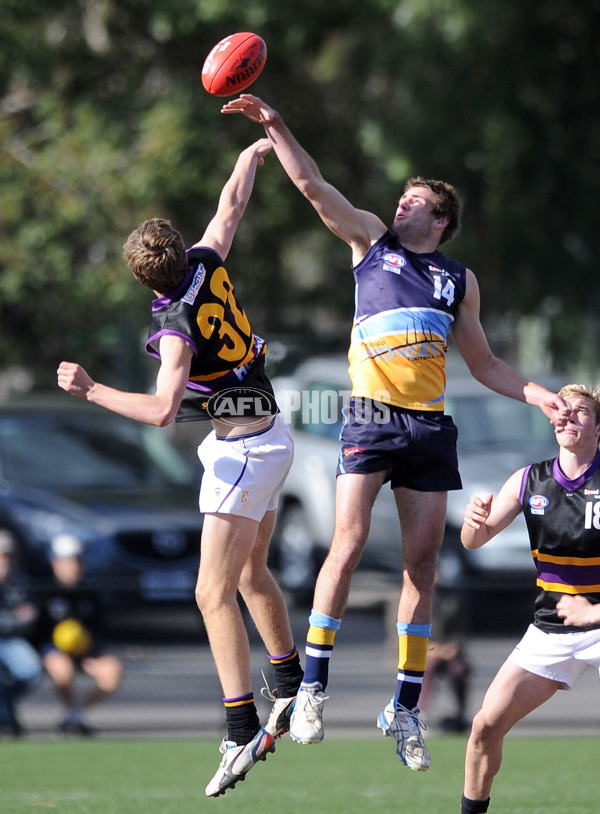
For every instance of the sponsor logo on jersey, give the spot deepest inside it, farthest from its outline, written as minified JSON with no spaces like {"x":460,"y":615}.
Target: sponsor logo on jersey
{"x":393,"y":262}
{"x":190,"y":295}
{"x":538,"y":503}
{"x":590,"y":492}
{"x":436,"y":270}
{"x":235,"y":402}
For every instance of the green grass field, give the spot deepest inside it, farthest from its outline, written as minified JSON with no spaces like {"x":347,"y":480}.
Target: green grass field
{"x":539,"y":776}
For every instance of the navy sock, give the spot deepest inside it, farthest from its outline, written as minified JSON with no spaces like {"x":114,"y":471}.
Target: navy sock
{"x":319,"y":646}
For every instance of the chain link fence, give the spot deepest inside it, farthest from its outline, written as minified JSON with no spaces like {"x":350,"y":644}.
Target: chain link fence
{"x":170,"y":687}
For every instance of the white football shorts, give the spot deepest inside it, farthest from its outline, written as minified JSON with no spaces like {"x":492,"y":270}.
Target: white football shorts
{"x":244,"y":475}
{"x":560,"y":657}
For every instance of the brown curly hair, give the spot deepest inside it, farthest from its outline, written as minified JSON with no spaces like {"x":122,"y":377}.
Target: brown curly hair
{"x":155,"y":252}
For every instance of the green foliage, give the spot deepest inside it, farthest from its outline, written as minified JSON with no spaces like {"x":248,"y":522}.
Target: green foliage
{"x":103,"y":122}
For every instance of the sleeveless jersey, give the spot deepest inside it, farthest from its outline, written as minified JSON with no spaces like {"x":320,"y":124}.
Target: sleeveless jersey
{"x":405,"y":304}
{"x":228,"y":361}
{"x":563,"y":521}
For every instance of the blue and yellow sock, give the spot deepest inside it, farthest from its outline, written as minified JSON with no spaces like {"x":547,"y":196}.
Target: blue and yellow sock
{"x":413,"y":642}
{"x":319,"y":645}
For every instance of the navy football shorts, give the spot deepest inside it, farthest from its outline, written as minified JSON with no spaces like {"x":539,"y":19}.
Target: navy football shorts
{"x":416,"y":450}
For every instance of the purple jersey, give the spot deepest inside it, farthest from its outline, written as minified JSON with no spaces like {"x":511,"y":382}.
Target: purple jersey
{"x":228,"y":357}
{"x":563,"y":521}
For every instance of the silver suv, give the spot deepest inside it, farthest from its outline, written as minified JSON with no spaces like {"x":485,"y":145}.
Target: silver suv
{"x":497,"y":435}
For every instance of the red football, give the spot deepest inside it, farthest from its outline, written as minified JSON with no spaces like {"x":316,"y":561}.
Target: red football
{"x":233,"y":64}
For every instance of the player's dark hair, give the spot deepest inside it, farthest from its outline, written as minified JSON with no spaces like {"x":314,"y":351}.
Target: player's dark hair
{"x":155,"y":252}
{"x":447,"y":205}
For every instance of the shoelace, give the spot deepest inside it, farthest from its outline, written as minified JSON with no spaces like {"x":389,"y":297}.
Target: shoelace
{"x":313,"y":700}
{"x":266,"y":691}
{"x":413,"y":726}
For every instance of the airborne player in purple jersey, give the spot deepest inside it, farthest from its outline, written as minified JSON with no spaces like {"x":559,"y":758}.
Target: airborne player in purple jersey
{"x":212,"y":368}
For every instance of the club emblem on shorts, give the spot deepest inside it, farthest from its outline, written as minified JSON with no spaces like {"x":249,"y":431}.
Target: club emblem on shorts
{"x":538,"y":503}
{"x":353,"y":451}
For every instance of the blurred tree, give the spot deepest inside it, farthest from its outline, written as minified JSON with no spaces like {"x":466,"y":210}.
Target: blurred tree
{"x":103,"y":122}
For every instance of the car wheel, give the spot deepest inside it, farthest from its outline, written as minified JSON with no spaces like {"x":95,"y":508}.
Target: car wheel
{"x":296,"y":557}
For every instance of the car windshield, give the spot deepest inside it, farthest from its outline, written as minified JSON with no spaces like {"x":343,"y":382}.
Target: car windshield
{"x":319,"y":411}
{"x":70,"y":451}
{"x":496,"y":421}
{"x":484,"y":419}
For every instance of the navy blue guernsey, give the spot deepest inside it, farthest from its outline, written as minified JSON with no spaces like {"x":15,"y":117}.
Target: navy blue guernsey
{"x":227,"y":373}
{"x":405,"y":306}
{"x":563,"y":521}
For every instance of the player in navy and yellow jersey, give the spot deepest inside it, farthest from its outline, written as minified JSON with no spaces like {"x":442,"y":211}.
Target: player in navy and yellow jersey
{"x":560,"y":500}
{"x":405,"y":306}
{"x":409,"y":299}
{"x":212,"y":368}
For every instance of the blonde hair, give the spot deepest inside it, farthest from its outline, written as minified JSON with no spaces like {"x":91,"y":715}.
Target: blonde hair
{"x":155,"y":252}
{"x":592,"y":393}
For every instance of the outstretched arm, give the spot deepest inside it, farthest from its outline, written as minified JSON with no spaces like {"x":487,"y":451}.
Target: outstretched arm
{"x":470,"y":339}
{"x":485,"y":517}
{"x":158,"y":408}
{"x":356,"y":227}
{"x":234,"y":198}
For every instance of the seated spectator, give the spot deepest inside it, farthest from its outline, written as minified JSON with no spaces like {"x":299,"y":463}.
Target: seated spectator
{"x":20,"y":665}
{"x":70,"y":637}
{"x":447,"y":659}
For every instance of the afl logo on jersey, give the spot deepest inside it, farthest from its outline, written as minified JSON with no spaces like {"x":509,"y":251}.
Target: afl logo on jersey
{"x":393,"y":262}
{"x":538,"y":503}
{"x":190,"y":295}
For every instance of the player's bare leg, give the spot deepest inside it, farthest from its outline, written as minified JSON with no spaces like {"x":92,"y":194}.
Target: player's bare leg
{"x":262,"y":595}
{"x":355,"y":494}
{"x":512,"y":695}
{"x":266,"y":605}
{"x":422,"y":520}
{"x":354,"y":498}
{"x":227,"y":541}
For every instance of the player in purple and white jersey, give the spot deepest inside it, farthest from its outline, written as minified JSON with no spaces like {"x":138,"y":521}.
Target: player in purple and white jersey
{"x":560,"y":500}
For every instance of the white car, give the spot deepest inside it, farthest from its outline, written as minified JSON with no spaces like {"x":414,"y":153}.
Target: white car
{"x":497,"y":435}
